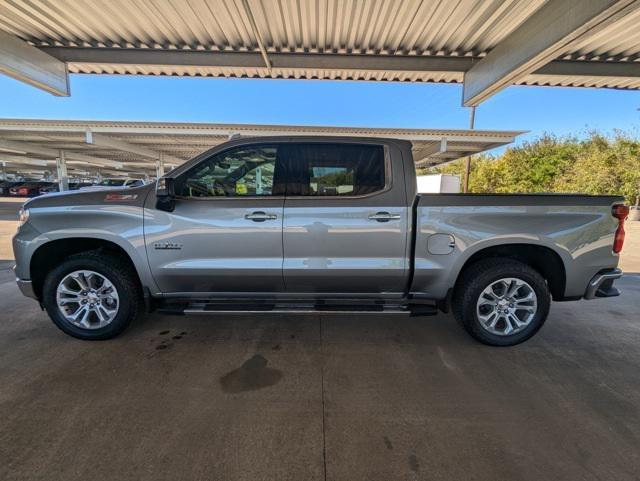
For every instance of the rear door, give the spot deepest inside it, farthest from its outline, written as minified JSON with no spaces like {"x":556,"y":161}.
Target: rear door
{"x":345,"y":219}
{"x":225,"y":234}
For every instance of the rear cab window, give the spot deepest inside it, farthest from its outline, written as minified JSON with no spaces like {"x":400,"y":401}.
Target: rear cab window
{"x":334,"y":169}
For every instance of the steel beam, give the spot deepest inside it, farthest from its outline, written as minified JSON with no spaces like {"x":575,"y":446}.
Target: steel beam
{"x":544,"y":36}
{"x":29,"y":64}
{"x":26,"y":147}
{"x":106,"y":141}
{"x":432,"y":149}
{"x":16,"y":159}
{"x":102,"y":140}
{"x":590,"y":68}
{"x":396,"y":63}
{"x":256,"y":33}
{"x":202,"y":58}
{"x":89,"y":159}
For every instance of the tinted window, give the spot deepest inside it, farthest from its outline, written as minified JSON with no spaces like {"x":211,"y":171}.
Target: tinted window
{"x":334,"y":169}
{"x":239,"y":172}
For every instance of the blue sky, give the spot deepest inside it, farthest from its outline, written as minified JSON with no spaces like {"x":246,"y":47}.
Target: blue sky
{"x":538,"y":109}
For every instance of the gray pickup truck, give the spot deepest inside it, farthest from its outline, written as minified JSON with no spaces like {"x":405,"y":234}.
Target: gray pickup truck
{"x":293,"y":224}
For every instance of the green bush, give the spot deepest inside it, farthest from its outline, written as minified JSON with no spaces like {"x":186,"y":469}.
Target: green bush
{"x":594,"y":165}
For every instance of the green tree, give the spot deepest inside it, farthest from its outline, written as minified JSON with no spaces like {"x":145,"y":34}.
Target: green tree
{"x":605,"y":166}
{"x":596,"y":165}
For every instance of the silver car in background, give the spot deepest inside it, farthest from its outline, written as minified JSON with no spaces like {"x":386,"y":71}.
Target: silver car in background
{"x":114,"y":183}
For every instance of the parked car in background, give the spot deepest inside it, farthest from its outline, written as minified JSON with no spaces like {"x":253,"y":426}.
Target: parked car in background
{"x":29,"y":189}
{"x":56,"y":188}
{"x":48,"y":189}
{"x":6,"y":185}
{"x":111,"y":183}
{"x":79,"y":185}
{"x":290,"y":224}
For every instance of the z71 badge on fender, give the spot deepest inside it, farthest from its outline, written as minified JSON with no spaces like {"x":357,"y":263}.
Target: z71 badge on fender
{"x":120,"y":197}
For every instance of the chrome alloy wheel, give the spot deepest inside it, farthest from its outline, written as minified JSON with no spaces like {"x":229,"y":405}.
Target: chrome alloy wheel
{"x":506,"y":306}
{"x":87,"y":299}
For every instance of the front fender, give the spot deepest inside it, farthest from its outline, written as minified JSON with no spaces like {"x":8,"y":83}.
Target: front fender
{"x":121,"y":225}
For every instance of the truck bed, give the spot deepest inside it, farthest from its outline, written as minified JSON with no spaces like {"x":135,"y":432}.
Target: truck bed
{"x":451,"y":228}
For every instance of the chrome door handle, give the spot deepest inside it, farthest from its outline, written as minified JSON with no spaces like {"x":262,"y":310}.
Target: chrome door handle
{"x":260,"y":216}
{"x":384,"y":216}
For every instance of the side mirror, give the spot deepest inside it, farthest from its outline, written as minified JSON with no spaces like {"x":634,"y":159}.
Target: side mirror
{"x":165,"y":194}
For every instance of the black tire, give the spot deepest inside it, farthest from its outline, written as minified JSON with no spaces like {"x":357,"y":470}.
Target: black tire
{"x":114,"y":268}
{"x":480,"y":275}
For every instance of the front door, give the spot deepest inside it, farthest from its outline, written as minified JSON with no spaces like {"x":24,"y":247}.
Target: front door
{"x":225,"y":234}
{"x":345,"y":227}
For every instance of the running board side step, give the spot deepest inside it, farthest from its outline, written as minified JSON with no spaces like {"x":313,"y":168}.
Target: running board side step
{"x":195,"y":308}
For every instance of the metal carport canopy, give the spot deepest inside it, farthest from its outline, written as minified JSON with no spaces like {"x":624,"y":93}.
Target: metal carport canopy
{"x":119,"y":147}
{"x":486,"y":44}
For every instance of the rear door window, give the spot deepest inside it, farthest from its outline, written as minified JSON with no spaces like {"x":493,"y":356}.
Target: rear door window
{"x":333,"y":169}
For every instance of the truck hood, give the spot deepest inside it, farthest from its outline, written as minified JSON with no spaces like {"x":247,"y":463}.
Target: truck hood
{"x":114,"y":196}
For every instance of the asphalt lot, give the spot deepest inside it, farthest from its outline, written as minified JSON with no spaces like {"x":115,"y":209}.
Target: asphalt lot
{"x":322,"y":397}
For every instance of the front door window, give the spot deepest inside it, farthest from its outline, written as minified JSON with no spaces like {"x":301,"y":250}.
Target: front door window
{"x":247,"y":171}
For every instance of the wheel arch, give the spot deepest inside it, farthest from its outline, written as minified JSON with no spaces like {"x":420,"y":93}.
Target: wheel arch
{"x":543,"y":259}
{"x":50,"y":254}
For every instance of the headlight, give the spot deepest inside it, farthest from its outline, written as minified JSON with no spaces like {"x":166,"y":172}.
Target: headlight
{"x":23,"y":216}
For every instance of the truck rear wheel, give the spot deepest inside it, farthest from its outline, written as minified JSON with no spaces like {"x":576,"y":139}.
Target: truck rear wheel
{"x":501,"y":302}
{"x":92,"y":295}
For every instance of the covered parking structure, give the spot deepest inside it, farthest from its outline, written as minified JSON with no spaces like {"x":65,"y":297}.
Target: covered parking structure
{"x":83,"y":148}
{"x":485,"y":44}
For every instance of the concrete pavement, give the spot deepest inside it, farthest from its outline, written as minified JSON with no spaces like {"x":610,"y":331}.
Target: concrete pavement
{"x":319,"y":397}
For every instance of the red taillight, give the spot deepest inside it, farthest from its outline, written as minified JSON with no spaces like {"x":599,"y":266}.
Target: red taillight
{"x":620,"y":212}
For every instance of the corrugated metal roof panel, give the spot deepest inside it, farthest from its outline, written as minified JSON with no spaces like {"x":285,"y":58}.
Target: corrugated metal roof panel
{"x":465,"y":26}
{"x":386,"y":27}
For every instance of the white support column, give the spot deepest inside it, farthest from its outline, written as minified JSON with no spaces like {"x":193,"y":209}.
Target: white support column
{"x":160,"y":166}
{"x":61,"y":168}
{"x":467,"y":162}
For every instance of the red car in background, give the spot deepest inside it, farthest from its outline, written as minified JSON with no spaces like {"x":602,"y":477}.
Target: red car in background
{"x":6,"y":185}
{"x":28,"y":189}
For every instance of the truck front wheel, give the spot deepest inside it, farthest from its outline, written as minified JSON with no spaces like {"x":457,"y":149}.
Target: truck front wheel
{"x":92,"y":295}
{"x":501,"y":302}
